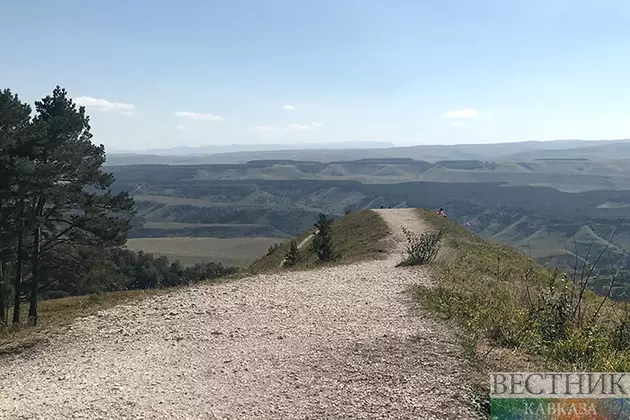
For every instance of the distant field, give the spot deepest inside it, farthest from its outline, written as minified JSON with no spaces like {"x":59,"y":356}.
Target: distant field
{"x":177,"y":200}
{"x":189,"y":251}
{"x":177,"y":225}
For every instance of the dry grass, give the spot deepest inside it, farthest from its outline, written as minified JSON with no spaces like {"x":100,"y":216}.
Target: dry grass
{"x":271,"y":261}
{"x":356,"y":237}
{"x":228,"y":251}
{"x":508,"y":305}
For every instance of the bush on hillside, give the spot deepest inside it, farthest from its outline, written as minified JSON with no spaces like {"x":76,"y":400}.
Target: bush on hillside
{"x":273,"y":248}
{"x":322,"y":242}
{"x":291,"y":257}
{"x":421,"y":249}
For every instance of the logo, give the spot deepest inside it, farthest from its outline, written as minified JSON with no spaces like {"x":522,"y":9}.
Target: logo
{"x":559,"y":395}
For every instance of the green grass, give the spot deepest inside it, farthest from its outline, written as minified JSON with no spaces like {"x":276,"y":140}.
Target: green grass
{"x":228,"y":251}
{"x":356,"y":236}
{"x":505,"y":300}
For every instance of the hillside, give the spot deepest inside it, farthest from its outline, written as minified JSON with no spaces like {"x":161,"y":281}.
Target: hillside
{"x":571,"y":175}
{"x":331,"y":342}
{"x":529,"y":316}
{"x":551,"y":224}
{"x":356,"y":338}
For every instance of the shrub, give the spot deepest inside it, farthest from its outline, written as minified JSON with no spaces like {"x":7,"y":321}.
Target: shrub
{"x":291,"y":257}
{"x":421,"y":249}
{"x":323,"y":243}
{"x":273,"y":248}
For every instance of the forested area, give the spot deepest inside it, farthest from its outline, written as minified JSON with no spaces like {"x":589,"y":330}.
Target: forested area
{"x":62,"y":229}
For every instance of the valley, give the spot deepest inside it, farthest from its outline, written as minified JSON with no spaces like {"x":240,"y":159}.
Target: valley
{"x":558,"y":210}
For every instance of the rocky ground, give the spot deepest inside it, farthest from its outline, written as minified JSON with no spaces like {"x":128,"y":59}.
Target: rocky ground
{"x":333,"y":343}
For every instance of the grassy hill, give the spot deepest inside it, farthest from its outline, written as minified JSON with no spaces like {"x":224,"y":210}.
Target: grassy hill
{"x":527,"y":315}
{"x":356,"y":236}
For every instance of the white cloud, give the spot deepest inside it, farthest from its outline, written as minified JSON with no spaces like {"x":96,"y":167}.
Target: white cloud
{"x":460,"y":113}
{"x":288,"y":107}
{"x":289,"y":128}
{"x":181,"y":127}
{"x":196,"y":116}
{"x":104,"y":105}
{"x":299,"y":127}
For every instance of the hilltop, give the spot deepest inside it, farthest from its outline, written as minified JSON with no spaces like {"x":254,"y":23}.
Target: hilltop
{"x":356,"y":337}
{"x":328,"y":342}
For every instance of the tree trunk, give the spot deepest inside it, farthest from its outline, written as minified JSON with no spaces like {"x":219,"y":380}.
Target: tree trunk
{"x":18,"y":281}
{"x":37,"y":233}
{"x":6,"y":289}
{"x":3,"y":314}
{"x":32,"y":309}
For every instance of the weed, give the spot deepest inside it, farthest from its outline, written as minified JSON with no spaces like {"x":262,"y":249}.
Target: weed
{"x":291,"y":257}
{"x":508,"y":301}
{"x":422,"y":249}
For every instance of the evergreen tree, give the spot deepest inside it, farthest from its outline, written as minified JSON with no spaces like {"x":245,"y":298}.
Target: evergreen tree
{"x":323,"y":242}
{"x":71,"y":199}
{"x":61,"y":226}
{"x":15,"y":123}
{"x":55,"y":200}
{"x":291,"y":257}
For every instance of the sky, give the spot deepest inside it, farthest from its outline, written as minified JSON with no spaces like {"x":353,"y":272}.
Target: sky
{"x":159,"y":74}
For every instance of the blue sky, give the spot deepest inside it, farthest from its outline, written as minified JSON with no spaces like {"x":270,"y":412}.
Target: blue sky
{"x":163,"y":73}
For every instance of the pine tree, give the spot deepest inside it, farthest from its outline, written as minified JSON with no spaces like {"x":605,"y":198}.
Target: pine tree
{"x":56,"y":205}
{"x":15,"y":122}
{"x":323,"y":243}
{"x":291,"y":257}
{"x":71,"y":199}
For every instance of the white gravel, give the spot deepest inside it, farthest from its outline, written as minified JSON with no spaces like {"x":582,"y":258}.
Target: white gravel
{"x":333,"y":343}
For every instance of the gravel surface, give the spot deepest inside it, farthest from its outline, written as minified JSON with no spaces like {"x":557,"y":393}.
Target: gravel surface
{"x":333,"y":343}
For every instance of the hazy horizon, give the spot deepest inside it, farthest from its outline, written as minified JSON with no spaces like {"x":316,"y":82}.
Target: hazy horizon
{"x":339,"y":144}
{"x":158,"y":74}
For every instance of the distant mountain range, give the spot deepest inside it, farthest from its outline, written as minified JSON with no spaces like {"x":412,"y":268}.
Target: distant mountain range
{"x":598,"y":150}
{"x":231,"y":148}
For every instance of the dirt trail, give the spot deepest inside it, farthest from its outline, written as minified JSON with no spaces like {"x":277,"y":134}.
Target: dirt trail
{"x":333,"y":343}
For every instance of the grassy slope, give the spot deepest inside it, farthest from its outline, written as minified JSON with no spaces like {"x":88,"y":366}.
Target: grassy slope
{"x":507,"y":301}
{"x":356,"y":236}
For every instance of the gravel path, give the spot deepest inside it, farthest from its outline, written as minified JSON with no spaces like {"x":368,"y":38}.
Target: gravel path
{"x":333,"y":343}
